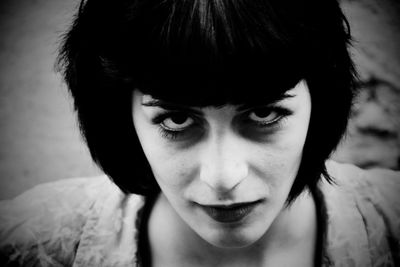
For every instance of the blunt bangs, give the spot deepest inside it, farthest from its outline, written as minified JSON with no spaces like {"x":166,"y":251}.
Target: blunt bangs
{"x":204,"y":53}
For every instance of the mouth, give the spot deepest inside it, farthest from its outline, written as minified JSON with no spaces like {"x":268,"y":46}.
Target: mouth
{"x":232,"y":213}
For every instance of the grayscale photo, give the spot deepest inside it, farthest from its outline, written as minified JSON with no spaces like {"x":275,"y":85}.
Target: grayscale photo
{"x":188,"y":133}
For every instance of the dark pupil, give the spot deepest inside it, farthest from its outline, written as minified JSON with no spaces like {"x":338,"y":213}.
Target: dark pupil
{"x":262,"y":112}
{"x":179,"y":118}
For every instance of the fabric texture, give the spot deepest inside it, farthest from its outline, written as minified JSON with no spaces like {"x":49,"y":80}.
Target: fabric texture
{"x":85,"y":222}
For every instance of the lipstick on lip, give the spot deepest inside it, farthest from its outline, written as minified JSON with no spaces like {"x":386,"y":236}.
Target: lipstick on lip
{"x":229,"y":213}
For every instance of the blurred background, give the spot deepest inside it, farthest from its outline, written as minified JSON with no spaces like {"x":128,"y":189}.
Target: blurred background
{"x":39,"y":137}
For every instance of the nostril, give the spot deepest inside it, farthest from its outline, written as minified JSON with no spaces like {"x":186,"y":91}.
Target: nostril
{"x":223,"y":162}
{"x":223,"y":177}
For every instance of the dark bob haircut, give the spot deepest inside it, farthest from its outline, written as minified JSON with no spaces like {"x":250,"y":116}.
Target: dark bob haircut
{"x":204,"y":53}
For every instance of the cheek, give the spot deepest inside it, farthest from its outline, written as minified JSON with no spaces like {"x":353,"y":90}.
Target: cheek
{"x":175,"y":174}
{"x":278,"y":164}
{"x":171,"y":169}
{"x":159,"y":157}
{"x":290,"y":149}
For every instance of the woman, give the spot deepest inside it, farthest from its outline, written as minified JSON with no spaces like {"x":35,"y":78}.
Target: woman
{"x":214,"y":119}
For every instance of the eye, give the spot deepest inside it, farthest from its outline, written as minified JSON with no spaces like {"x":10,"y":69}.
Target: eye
{"x":264,"y":122}
{"x":177,"y":122}
{"x":265,"y":115}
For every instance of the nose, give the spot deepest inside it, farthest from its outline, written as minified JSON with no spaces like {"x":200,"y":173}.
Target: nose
{"x":223,"y":164}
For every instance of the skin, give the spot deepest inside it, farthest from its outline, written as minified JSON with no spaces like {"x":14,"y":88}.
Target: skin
{"x":221,"y":157}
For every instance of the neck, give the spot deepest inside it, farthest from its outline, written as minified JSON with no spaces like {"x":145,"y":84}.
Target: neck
{"x":290,"y":239}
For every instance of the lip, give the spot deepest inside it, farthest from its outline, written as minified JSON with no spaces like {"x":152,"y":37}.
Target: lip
{"x":231,"y":213}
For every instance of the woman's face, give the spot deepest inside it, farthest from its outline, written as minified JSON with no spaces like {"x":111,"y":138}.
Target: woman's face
{"x":226,"y":171}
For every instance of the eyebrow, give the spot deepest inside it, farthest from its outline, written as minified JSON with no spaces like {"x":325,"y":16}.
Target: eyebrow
{"x":274,"y":101}
{"x":169,"y":106}
{"x":241,"y":107}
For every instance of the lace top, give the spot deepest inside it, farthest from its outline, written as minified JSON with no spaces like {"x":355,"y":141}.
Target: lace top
{"x":85,"y":222}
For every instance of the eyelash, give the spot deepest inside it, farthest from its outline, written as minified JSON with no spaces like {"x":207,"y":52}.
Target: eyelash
{"x":169,"y":134}
{"x":282,"y":112}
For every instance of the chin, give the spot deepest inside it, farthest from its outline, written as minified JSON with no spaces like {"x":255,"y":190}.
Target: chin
{"x":232,"y":244}
{"x":233,"y":238}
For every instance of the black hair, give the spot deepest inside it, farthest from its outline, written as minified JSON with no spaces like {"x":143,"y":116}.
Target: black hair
{"x":204,"y":53}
